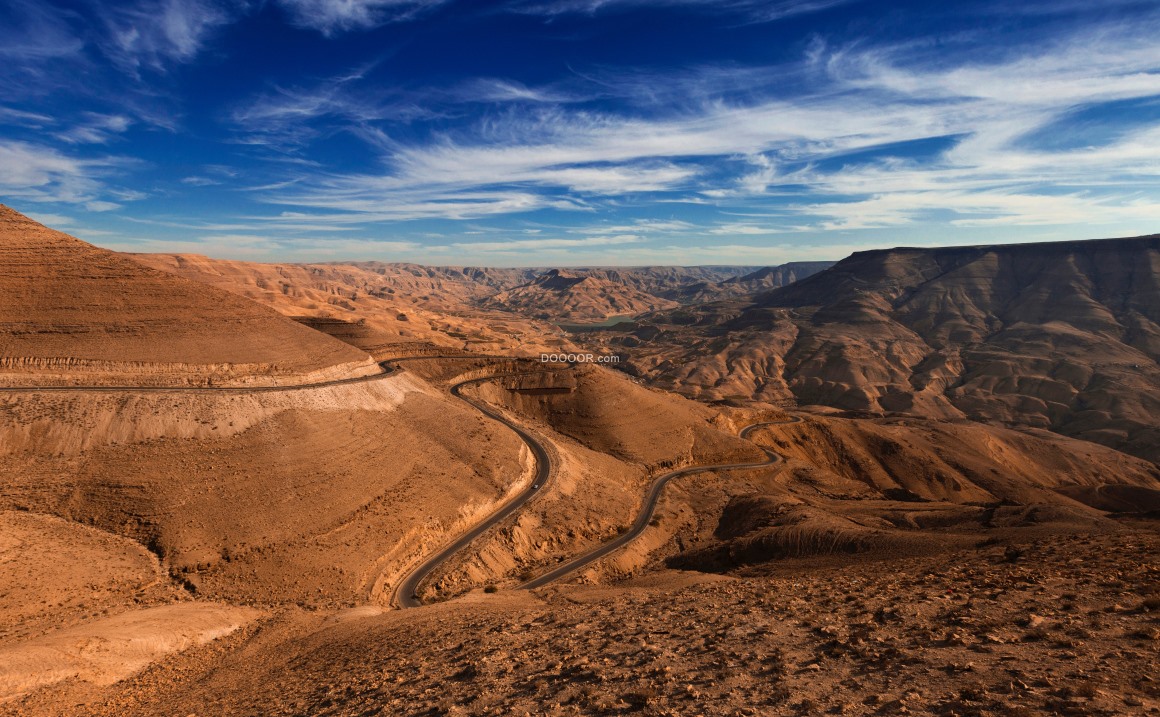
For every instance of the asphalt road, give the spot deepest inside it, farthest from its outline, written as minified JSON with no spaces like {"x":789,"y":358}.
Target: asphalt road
{"x":649,"y":508}
{"x":201,"y":389}
{"x":384,"y":365}
{"x":407,"y":592}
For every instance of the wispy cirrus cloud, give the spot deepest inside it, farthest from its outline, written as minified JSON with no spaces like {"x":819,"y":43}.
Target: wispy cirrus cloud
{"x":95,"y":128}
{"x":262,"y":246}
{"x":32,"y":31}
{"x":331,"y":17}
{"x":753,"y":10}
{"x":21,"y":118}
{"x":154,"y":34}
{"x":43,"y":174}
{"x":289,"y":117}
{"x":523,"y":246}
{"x":640,"y":226}
{"x":350,"y":203}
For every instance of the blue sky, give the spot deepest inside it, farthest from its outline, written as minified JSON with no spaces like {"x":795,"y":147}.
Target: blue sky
{"x":556,"y":132}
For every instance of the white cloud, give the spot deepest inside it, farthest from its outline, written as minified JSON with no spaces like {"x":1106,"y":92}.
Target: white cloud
{"x":331,"y":17}
{"x":264,"y":246}
{"x":153,"y":34}
{"x":754,"y":10}
{"x":640,"y":226}
{"x":51,"y":220}
{"x":99,"y":205}
{"x":359,"y":203}
{"x":95,"y":128}
{"x":199,"y":181}
{"x":13,"y":116}
{"x":287,"y":117}
{"x":33,"y":31}
{"x":501,"y":90}
{"x":745,"y":229}
{"x":43,"y":174}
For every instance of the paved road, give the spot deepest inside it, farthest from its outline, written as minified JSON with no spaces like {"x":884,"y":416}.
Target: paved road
{"x":649,"y":508}
{"x":407,"y":592}
{"x":387,"y":369}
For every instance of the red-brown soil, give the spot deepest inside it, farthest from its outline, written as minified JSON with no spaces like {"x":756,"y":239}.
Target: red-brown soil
{"x":70,"y":311}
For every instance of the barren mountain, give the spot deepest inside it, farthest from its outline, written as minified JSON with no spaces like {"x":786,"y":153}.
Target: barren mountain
{"x":567,"y":296}
{"x":70,"y":311}
{"x":663,"y":281}
{"x":749,"y":285}
{"x":486,"y":307}
{"x":1064,"y":336}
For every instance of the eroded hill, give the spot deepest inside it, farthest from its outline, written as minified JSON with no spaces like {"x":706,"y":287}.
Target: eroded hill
{"x":375,"y":306}
{"x":751,"y":284}
{"x":71,"y":312}
{"x":1064,"y":336}
{"x":571,"y":297}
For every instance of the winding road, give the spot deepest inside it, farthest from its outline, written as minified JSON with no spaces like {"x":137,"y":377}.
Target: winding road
{"x":649,"y":508}
{"x":407,"y":592}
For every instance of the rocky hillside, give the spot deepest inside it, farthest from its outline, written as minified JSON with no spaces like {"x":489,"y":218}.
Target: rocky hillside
{"x":567,"y":296}
{"x":751,"y":284}
{"x":1064,"y":336}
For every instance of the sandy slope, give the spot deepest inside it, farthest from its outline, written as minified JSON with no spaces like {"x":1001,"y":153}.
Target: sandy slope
{"x":305,"y":496}
{"x":73,"y":312}
{"x":110,"y":649}
{"x":86,"y":607}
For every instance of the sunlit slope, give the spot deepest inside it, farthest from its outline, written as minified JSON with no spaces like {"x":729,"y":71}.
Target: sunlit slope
{"x":71,"y":312}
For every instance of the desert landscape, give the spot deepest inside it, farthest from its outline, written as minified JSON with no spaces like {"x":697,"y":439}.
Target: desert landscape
{"x":424,"y":358}
{"x":895,"y":484}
